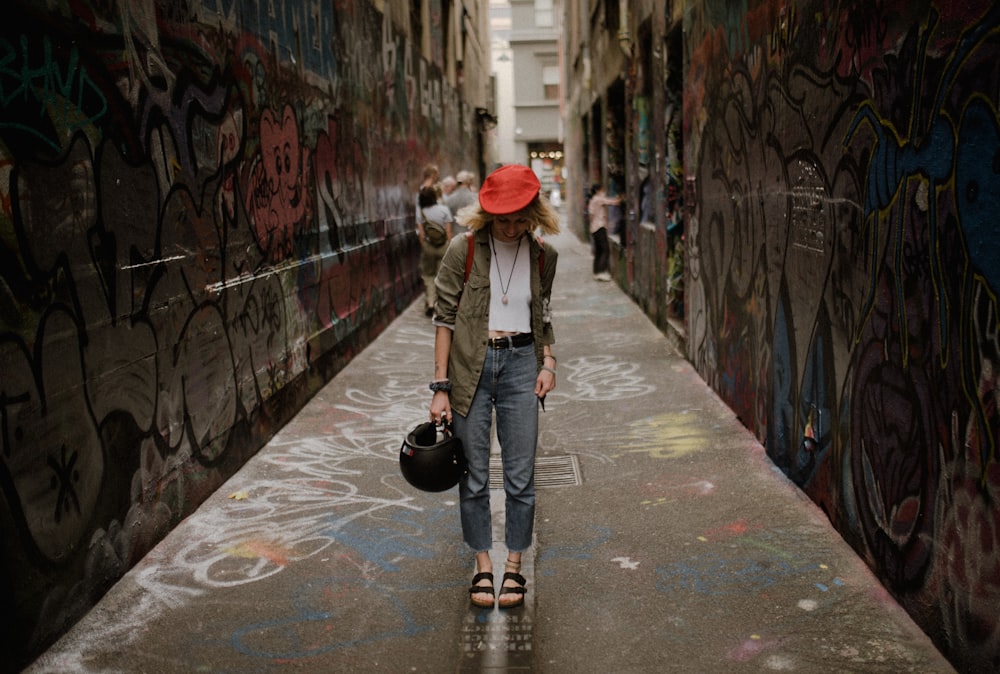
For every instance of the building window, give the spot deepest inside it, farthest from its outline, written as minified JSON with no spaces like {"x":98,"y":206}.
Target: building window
{"x":544,"y":16}
{"x":550,"y":81}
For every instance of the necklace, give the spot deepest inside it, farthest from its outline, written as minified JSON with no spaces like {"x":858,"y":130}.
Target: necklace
{"x":500,"y":275}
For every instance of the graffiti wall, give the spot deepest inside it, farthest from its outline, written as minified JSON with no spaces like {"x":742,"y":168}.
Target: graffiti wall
{"x":842,"y":278}
{"x":205,"y":211}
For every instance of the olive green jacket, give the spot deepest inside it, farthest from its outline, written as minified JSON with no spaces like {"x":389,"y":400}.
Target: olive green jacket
{"x":469,"y":320}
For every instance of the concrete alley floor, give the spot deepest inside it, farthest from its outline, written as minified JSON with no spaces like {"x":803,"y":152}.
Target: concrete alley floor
{"x":666,"y":541}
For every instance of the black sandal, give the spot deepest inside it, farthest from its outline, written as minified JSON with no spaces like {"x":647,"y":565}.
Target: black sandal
{"x":518,"y":590}
{"x":482,"y":589}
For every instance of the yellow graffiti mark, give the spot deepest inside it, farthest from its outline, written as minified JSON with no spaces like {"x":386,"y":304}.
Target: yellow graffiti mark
{"x":256,"y":549}
{"x":671,"y":435}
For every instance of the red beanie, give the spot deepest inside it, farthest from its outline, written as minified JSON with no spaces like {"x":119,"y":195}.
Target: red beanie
{"x":508,"y":189}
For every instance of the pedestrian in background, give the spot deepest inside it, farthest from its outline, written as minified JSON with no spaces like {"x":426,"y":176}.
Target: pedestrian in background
{"x":434,"y":230}
{"x":493,"y":355}
{"x":461,"y":197}
{"x":597,"y":208}
{"x":431,"y":177}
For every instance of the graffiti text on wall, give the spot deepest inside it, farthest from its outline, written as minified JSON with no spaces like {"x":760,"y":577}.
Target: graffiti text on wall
{"x":842,"y":255}
{"x":193,"y":219}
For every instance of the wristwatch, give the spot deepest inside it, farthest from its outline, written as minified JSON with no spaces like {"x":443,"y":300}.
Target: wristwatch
{"x":440,"y":386}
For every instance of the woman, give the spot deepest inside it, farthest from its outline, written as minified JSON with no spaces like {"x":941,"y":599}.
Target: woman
{"x":493,"y":353}
{"x":434,"y":222}
{"x":597,"y":208}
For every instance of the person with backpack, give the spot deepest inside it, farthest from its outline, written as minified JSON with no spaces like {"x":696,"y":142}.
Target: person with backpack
{"x":434,"y":222}
{"x":493,"y":356}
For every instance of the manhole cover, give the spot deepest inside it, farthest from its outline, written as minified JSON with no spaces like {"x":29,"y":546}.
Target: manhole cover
{"x":550,"y":471}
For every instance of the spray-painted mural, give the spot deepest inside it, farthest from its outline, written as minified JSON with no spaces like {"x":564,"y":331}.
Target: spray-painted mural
{"x":205,"y":210}
{"x":843,"y":276}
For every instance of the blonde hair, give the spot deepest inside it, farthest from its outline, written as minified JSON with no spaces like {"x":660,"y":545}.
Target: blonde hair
{"x":540,"y":211}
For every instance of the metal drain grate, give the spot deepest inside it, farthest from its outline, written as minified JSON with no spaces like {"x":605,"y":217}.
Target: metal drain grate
{"x":550,"y":471}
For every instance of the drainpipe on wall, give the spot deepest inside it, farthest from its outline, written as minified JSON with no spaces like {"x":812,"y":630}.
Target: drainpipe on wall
{"x":624,"y":41}
{"x":586,"y":49}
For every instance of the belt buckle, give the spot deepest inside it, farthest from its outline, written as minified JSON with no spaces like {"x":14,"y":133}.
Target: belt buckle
{"x":505,"y":342}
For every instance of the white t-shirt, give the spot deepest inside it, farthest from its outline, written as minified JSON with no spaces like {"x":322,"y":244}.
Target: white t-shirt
{"x":515,"y":315}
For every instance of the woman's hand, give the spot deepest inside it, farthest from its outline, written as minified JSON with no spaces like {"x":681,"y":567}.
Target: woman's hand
{"x":440,"y":407}
{"x":545,"y":382}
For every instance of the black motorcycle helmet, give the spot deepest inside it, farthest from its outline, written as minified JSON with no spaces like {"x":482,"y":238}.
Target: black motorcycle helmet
{"x":431,"y":458}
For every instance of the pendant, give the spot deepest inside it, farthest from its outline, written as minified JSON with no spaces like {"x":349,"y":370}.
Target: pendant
{"x":504,"y":300}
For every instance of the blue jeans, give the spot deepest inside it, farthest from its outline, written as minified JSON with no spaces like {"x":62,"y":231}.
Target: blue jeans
{"x":507,"y":385}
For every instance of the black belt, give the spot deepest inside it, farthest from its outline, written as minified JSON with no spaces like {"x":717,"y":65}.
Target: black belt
{"x":511,"y":341}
